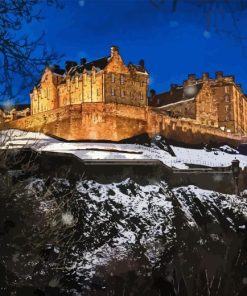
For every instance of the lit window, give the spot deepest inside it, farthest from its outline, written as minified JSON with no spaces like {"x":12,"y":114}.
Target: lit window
{"x":112,"y":92}
{"x":112,"y":77}
{"x":85,"y":78}
{"x":227,"y":98}
{"x":122,"y":79}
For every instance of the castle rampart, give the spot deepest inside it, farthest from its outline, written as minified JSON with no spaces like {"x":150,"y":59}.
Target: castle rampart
{"x":115,"y":122}
{"x":106,"y":99}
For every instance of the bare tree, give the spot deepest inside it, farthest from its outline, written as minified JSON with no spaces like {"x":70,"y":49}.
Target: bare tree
{"x":21,"y":57}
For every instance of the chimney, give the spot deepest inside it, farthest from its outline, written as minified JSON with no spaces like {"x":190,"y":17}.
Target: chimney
{"x":142,"y":63}
{"x":191,"y":80}
{"x":114,"y":50}
{"x":83,"y":61}
{"x":173,"y":87}
{"x":218,"y":75}
{"x":69,"y":65}
{"x":55,"y":67}
{"x":191,"y":77}
{"x":205,"y":76}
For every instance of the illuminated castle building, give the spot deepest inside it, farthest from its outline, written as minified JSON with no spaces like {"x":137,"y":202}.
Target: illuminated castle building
{"x":106,"y":80}
{"x":106,"y":99}
{"x":218,"y":102}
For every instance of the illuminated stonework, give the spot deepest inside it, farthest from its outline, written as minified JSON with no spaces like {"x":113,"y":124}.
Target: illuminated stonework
{"x":106,"y":80}
{"x":218,"y":103}
{"x":108,"y":100}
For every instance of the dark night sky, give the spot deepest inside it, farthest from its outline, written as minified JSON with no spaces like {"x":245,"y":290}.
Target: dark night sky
{"x":172,"y":44}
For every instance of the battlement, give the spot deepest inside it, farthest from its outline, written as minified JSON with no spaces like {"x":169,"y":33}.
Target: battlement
{"x":205,"y":77}
{"x":115,"y":122}
{"x":213,"y":102}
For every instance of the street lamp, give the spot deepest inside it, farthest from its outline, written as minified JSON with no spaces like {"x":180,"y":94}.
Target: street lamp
{"x":235,"y":172}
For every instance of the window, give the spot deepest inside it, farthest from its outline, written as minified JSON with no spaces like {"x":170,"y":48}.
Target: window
{"x":112,"y":77}
{"x":112,"y":92}
{"x":122,"y":79}
{"x":97,"y":92}
{"x":227,"y":108}
{"x":227,"y":98}
{"x":85,"y":79}
{"x":122,"y":93}
{"x":226,"y":89}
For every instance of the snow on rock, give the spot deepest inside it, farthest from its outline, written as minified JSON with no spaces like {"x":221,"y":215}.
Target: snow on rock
{"x":67,"y":219}
{"x":96,"y":224}
{"x":194,"y":199}
{"x":120,"y":216}
{"x":114,"y":151}
{"x":228,"y":149}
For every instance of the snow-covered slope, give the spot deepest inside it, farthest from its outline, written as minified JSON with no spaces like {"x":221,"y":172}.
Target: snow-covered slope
{"x":115,"y":151}
{"x":88,"y":234}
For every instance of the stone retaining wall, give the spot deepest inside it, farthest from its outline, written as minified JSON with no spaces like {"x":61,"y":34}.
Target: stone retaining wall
{"x":115,"y":122}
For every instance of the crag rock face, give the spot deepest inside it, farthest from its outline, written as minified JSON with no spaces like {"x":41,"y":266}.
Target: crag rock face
{"x":81,"y":237}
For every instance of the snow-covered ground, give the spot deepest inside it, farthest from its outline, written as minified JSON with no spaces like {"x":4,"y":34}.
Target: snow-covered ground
{"x":115,"y":151}
{"x":215,"y":158}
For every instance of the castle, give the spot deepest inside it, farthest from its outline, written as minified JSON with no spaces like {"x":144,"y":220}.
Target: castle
{"x":218,"y":103}
{"x":106,"y":80}
{"x":107,"y":100}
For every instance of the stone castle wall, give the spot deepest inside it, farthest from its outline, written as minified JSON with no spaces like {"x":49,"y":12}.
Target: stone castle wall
{"x":189,"y":131}
{"x":88,"y":121}
{"x":115,"y":122}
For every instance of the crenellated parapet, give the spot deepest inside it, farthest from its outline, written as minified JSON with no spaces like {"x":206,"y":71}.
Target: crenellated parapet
{"x":217,"y":102}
